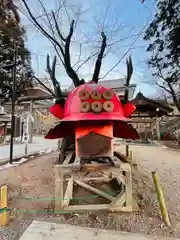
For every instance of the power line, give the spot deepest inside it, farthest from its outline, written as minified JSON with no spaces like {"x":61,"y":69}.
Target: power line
{"x":131,"y":45}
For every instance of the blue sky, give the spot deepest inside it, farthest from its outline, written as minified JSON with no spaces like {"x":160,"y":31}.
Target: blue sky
{"x":122,"y":21}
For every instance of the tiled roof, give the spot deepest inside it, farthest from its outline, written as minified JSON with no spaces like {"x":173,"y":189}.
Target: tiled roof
{"x":114,"y":83}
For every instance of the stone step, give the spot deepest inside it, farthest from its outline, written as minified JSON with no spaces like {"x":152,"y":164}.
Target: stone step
{"x":54,"y":231}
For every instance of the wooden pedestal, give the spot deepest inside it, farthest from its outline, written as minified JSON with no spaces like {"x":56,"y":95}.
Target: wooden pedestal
{"x":120,"y":171}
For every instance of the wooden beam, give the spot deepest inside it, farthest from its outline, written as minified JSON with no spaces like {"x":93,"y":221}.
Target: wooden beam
{"x":77,"y":163}
{"x":95,"y":190}
{"x":68,"y":158}
{"x":124,"y":159}
{"x":89,"y":208}
{"x":95,"y":179}
{"x":128,"y":186}
{"x":69,"y":192}
{"x":89,"y":167}
{"x":95,"y":207}
{"x":119,"y":200}
{"x":59,"y":180}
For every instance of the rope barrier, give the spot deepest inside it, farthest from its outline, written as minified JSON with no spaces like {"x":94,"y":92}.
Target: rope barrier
{"x":3,"y":209}
{"x":35,"y":212}
{"x":76,"y":198}
{"x":31,"y":211}
{"x":44,"y":117}
{"x":4,"y":205}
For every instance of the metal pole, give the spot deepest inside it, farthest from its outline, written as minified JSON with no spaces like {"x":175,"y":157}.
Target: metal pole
{"x":30,"y":122}
{"x":13,"y":106}
{"x":157,"y":125}
{"x":26,"y":149}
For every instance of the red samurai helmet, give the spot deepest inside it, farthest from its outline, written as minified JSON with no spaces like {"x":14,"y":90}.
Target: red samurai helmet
{"x":92,"y":106}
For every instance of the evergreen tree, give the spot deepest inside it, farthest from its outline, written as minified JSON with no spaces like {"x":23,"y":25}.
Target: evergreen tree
{"x":164,"y":35}
{"x":12,"y":35}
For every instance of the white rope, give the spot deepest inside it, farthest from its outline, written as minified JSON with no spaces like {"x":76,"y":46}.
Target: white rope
{"x":44,"y":117}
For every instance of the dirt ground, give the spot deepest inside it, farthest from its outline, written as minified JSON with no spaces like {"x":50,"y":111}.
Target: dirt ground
{"x":35,"y":179}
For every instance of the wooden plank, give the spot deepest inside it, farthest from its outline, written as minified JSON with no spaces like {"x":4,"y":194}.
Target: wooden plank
{"x":77,"y":163}
{"x":95,"y":190}
{"x":119,"y":200}
{"x":134,"y":208}
{"x":120,"y":209}
{"x":68,"y":158}
{"x":124,"y":158}
{"x":69,"y":192}
{"x":128,"y":187}
{"x":95,"y":207}
{"x":89,"y":208}
{"x":98,"y":167}
{"x":90,"y":167}
{"x":131,"y":155}
{"x":95,"y":179}
{"x":58,"y":189}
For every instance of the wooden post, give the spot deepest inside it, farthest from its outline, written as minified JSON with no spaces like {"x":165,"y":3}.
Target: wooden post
{"x":69,"y":192}
{"x":127,"y":150}
{"x":59,"y":143}
{"x":160,"y":198}
{"x":58,"y":188}
{"x":131,"y":155}
{"x":128,"y":186}
{"x":4,"y":215}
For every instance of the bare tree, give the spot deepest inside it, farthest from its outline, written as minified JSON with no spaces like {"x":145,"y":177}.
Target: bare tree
{"x":62,"y":45}
{"x":51,"y":24}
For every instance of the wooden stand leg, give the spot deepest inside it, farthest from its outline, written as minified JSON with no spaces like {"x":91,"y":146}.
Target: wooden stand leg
{"x":58,"y":189}
{"x":128,"y":187}
{"x":131,"y":155}
{"x":69,"y":193}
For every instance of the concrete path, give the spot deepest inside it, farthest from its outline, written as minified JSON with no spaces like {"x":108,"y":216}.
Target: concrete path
{"x":38,"y":144}
{"x":39,"y":230}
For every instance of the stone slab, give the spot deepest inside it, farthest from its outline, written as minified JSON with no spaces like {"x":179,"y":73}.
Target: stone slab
{"x":40,"y":230}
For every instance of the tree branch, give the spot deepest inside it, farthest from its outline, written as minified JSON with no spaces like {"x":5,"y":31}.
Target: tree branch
{"x":86,"y":60}
{"x":67,"y":60}
{"x":98,"y":63}
{"x":56,"y":85}
{"x":163,"y":87}
{"x":52,"y":30}
{"x":36,"y":23}
{"x":129,"y":75}
{"x":57,"y":27}
{"x":42,"y":84}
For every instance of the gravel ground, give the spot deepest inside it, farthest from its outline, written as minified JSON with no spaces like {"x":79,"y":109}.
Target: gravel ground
{"x":35,"y":179}
{"x":167,"y":162}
